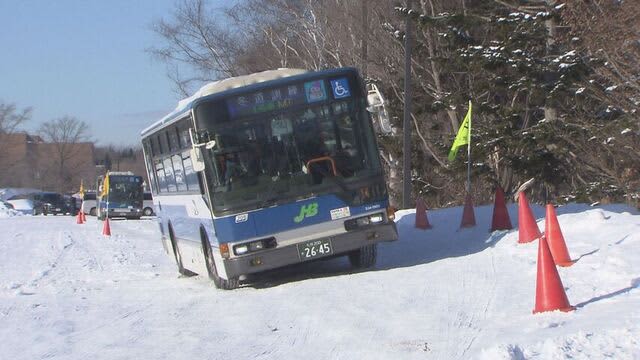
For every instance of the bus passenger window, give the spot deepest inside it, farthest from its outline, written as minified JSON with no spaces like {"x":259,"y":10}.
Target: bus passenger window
{"x":162,"y":183}
{"x":179,"y":172}
{"x":190,"y":175}
{"x":169,"y":175}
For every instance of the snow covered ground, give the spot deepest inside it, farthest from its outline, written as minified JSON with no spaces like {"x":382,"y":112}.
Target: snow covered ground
{"x":66,"y":292}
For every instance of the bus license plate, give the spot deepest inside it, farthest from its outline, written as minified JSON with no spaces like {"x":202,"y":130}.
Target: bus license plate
{"x":315,"y":248}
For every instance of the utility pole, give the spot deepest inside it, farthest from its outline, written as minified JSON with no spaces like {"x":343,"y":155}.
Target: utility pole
{"x":365,"y":37}
{"x":406,"y":124}
{"x":550,"y":113}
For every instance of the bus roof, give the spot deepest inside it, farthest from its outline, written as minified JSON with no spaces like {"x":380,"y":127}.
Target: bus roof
{"x":220,"y":86}
{"x":215,"y":87}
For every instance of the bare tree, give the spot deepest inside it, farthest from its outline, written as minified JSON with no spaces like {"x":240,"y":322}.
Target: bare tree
{"x":65,"y":136}
{"x":10,"y":121}
{"x":11,"y":118}
{"x":194,"y":37}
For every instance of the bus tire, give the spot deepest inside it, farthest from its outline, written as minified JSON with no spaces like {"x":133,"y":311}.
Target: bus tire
{"x":220,"y":283}
{"x":176,"y":252}
{"x":147,"y":211}
{"x":92,"y":212}
{"x":365,"y":257}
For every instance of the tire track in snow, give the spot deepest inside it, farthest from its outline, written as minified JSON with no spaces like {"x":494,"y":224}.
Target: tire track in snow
{"x":484,"y":307}
{"x":474,"y":275}
{"x":66,"y":241}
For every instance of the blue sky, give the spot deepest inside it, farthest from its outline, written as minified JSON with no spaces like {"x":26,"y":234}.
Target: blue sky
{"x":86,"y":58}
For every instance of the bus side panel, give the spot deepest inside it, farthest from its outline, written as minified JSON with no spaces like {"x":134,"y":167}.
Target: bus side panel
{"x":186,"y":214}
{"x":287,"y":217}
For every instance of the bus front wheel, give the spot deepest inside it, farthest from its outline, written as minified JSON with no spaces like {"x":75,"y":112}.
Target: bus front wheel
{"x":365,"y":257}
{"x":220,"y":283}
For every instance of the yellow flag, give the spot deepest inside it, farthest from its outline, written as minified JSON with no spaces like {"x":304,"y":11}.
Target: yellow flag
{"x":81,"y":192}
{"x":105,"y":186}
{"x":464,"y":135}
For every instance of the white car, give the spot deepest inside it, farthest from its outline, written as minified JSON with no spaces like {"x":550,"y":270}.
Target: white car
{"x":89,"y":203}
{"x":25,"y":206}
{"x":147,"y":205}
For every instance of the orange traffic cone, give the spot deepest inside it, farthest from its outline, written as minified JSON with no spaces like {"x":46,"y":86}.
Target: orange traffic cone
{"x":550,"y":293}
{"x":106,"y":229}
{"x":468,"y":217}
{"x":501,"y":220}
{"x":421,"y":215}
{"x":553,"y":234}
{"x":79,"y":218}
{"x":527,"y":227}
{"x":84,"y":218}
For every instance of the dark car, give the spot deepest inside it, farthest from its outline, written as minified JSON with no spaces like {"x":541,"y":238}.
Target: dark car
{"x":51,"y":203}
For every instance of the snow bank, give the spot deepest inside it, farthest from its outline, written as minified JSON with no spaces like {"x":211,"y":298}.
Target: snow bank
{"x":6,"y":212}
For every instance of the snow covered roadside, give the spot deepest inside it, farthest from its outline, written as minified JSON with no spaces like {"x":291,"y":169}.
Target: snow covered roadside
{"x":67,"y":292}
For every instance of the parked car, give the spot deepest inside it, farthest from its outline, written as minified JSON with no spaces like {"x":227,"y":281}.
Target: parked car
{"x":55,"y":203}
{"x":89,"y":203}
{"x":27,"y":204}
{"x":24,"y":205}
{"x":46,"y":203}
{"x":147,"y":204}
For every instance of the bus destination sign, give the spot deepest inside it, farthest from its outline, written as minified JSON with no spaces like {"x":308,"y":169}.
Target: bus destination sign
{"x":277,"y":98}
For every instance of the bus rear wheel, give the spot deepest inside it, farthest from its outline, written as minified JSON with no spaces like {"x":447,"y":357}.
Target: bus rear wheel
{"x":365,"y":257}
{"x":220,"y":283}
{"x":92,"y":212}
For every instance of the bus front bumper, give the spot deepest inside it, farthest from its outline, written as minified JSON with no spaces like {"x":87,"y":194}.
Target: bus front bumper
{"x":288,"y":255}
{"x":126,"y":213}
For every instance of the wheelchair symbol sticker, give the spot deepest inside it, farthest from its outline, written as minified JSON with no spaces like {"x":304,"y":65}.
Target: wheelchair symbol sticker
{"x":340,"y":88}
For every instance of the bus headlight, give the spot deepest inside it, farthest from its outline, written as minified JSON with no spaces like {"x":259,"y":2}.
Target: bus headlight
{"x":254,"y":246}
{"x":241,"y":249}
{"x":373,"y":219}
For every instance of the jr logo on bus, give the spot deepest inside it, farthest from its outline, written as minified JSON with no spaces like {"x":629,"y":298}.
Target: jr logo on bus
{"x":306,"y":211}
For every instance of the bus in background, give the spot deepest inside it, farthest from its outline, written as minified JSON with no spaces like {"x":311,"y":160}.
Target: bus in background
{"x":265,"y":170}
{"x":123,"y":194}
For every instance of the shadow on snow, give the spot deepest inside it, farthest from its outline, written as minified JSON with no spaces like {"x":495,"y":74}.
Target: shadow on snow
{"x":414,"y":247}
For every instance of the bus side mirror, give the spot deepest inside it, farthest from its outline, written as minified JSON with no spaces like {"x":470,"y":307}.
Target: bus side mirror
{"x":196,"y":159}
{"x":196,"y":152}
{"x":378,"y":109}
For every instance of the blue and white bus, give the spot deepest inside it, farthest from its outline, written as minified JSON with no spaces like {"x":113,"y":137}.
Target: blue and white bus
{"x":122,"y":197}
{"x":265,"y":170}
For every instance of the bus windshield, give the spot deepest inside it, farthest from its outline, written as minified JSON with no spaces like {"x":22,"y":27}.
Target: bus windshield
{"x":258,"y":161}
{"x":125,"y":189}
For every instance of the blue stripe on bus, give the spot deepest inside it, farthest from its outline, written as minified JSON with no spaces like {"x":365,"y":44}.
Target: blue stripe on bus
{"x":270,"y":221}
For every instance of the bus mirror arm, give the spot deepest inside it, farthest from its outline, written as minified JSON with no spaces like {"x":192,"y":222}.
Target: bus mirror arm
{"x":208,"y":145}
{"x":377,"y":107}
{"x":196,"y":151}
